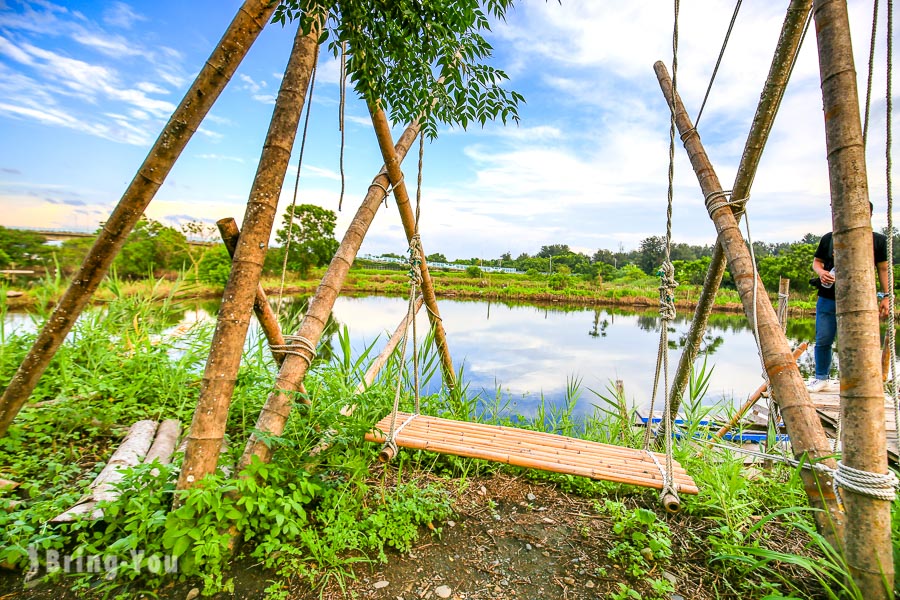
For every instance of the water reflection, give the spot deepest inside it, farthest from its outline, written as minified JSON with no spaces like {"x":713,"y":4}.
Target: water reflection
{"x":529,"y":351}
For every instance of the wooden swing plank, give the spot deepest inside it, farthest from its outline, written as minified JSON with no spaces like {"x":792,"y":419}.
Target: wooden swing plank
{"x":531,"y":449}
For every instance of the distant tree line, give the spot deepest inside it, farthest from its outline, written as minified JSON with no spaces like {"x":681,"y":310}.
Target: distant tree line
{"x":307,"y":233}
{"x":158,"y":250}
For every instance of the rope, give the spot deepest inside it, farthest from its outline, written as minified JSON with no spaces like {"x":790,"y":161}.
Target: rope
{"x":296,"y":345}
{"x":343,"y":106}
{"x":290,"y":228}
{"x":720,"y":199}
{"x":415,"y":280}
{"x":734,"y":15}
{"x":667,"y":287}
{"x":873,"y":485}
{"x":889,"y":109}
{"x":872,"y":68}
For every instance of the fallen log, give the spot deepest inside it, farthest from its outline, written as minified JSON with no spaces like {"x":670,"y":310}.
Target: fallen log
{"x":164,"y":444}
{"x":130,"y":453}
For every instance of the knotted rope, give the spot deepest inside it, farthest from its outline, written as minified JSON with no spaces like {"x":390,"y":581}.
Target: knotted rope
{"x":415,"y":281}
{"x":296,"y":345}
{"x":667,"y":312}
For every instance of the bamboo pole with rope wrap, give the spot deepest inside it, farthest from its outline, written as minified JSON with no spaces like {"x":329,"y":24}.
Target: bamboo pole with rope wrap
{"x":789,"y":41}
{"x":867,"y":543}
{"x":207,"y":431}
{"x":209,"y":83}
{"x":410,"y":225}
{"x":274,"y":414}
{"x":808,"y":437}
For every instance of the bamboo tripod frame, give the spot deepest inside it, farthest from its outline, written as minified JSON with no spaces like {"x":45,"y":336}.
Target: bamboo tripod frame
{"x":531,"y":449}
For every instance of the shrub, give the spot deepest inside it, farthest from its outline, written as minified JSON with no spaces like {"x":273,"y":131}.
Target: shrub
{"x":215,"y":266}
{"x":473,"y":271}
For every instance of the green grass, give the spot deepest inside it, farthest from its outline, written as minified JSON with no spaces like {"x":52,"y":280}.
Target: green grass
{"x":318,"y":517}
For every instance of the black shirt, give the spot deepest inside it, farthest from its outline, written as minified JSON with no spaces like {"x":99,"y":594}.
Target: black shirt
{"x":825,"y":253}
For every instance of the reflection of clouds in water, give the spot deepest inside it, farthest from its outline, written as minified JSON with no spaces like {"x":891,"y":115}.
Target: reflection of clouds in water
{"x":529,"y":351}
{"x":532,"y":350}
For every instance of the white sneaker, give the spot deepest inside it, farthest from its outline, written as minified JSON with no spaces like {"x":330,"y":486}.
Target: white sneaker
{"x":817,"y":385}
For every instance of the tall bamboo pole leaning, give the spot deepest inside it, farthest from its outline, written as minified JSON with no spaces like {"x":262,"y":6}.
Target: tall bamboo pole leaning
{"x":215,"y":74}
{"x":770,"y":99}
{"x":868,"y":541}
{"x":401,"y":196}
{"x":807,"y":436}
{"x":217,"y":386}
{"x":267,"y":318}
{"x":275,"y":412}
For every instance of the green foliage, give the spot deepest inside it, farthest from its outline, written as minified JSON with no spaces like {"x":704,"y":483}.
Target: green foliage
{"x":558,"y":281}
{"x":214,"y":266}
{"x":311,"y":236}
{"x":416,"y":58}
{"x":474,"y":271}
{"x":20,"y":249}
{"x":151,"y":246}
{"x":795,"y":264}
{"x":642,"y":539}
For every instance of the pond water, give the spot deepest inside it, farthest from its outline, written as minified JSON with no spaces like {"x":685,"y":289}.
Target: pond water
{"x":527,"y":351}
{"x":523,"y":352}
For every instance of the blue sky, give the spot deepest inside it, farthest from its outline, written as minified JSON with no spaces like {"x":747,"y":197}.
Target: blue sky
{"x":86,"y":86}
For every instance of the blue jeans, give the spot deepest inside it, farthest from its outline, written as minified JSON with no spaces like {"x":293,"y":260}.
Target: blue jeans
{"x":826,"y":330}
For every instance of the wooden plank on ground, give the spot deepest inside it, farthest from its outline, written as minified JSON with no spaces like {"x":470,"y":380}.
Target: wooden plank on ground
{"x":531,"y":449}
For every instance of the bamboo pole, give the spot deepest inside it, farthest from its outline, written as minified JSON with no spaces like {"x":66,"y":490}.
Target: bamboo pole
{"x":769,"y":101}
{"x":215,"y":74}
{"x":129,"y":453}
{"x":216,"y":388}
{"x":807,"y":436}
{"x":275,"y":412}
{"x":868,"y":540}
{"x":230,"y":233}
{"x":164,"y":443}
{"x":784,"y":287}
{"x":753,"y":399}
{"x":381,"y":360}
{"x":401,"y":197}
{"x":268,"y":321}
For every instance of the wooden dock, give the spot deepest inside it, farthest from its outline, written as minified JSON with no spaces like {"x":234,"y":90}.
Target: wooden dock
{"x":828,"y":405}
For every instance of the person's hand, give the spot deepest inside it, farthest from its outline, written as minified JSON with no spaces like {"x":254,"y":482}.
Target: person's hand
{"x":884,"y":307}
{"x":826,"y":277}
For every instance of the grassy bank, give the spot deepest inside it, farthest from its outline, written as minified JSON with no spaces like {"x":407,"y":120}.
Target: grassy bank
{"x":335,"y":523}
{"x":635,"y":292}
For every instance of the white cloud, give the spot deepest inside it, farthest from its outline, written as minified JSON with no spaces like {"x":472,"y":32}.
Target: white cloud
{"x":264,"y":98}
{"x":151,"y":88}
{"x":115,"y":46}
{"x":121,"y":15}
{"x":14,"y":52}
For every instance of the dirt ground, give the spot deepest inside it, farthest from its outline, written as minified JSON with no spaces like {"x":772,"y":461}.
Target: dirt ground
{"x":509,"y":538}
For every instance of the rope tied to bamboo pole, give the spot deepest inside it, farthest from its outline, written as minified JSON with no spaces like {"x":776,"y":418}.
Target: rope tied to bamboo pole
{"x":296,"y":345}
{"x":881,"y":486}
{"x":722,"y":199}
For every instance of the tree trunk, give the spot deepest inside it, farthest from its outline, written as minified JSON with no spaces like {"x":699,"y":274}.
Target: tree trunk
{"x":868,"y":539}
{"x":210,"y":82}
{"x":773,"y":90}
{"x":392,"y":163}
{"x":211,"y":415}
{"x":277,"y":408}
{"x":807,"y":436}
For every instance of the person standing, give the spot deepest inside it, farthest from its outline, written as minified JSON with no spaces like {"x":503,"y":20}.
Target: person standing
{"x":826,"y":317}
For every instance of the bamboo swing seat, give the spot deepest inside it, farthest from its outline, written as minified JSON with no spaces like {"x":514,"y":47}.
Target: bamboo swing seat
{"x":531,"y":449}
